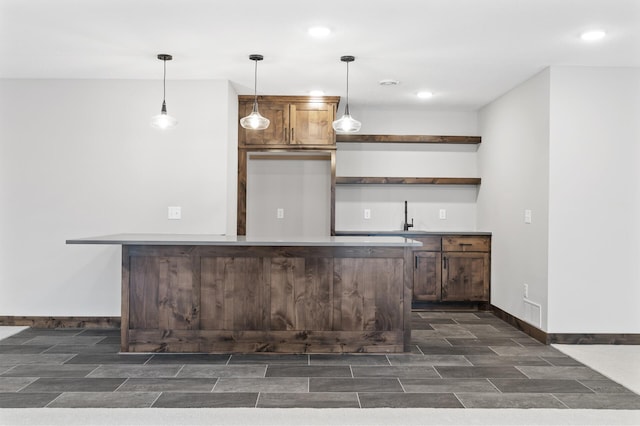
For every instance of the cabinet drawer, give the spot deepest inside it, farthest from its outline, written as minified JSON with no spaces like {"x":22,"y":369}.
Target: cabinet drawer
{"x":457,"y":243}
{"x":428,"y":243}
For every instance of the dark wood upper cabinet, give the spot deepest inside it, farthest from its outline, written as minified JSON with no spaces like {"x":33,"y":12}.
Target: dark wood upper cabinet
{"x":296,"y":121}
{"x":275,"y":134}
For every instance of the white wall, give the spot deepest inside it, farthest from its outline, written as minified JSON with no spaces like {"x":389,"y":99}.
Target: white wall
{"x":514,"y":165}
{"x":301,"y":187}
{"x":418,"y":121}
{"x":594,"y":254}
{"x":78,"y":158}
{"x":565,"y":144}
{"x":386,"y":202}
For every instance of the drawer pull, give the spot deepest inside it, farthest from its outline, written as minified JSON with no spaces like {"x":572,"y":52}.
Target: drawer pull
{"x":465,"y":244}
{"x":444,"y":263}
{"x":416,"y":258}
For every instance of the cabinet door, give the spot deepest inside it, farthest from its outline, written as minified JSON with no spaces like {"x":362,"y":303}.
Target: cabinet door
{"x":278,"y":131}
{"x":465,"y":276}
{"x":426,"y":276}
{"x":311,"y":123}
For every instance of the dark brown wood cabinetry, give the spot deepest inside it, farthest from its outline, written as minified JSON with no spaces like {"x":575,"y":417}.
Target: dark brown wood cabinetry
{"x":261,"y":298}
{"x":295,"y":121}
{"x":452,"y":269}
{"x":427,"y":272}
{"x":465,"y":269}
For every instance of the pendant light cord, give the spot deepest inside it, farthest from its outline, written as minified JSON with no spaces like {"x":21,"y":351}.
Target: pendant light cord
{"x":346,"y":108}
{"x":164,"y":80}
{"x":255,"y":84}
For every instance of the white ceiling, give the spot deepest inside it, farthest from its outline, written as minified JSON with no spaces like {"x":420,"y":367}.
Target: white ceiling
{"x":467,"y":52}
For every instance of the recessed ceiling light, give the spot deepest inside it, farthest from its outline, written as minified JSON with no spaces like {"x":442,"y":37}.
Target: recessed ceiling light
{"x":388,"y":82}
{"x":316,"y":93}
{"x":594,"y":35}
{"x":425,"y":95}
{"x":319,"y":31}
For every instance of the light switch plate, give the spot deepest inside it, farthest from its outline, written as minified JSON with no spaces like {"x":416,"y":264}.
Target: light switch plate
{"x":174,"y":212}
{"x":443,"y":213}
{"x":527,"y":216}
{"x":280,"y":213}
{"x":367,"y":213}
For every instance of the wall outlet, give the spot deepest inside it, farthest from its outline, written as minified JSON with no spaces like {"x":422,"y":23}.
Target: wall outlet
{"x":525,"y":292}
{"x":280,"y":213}
{"x":174,"y":213}
{"x":443,"y":213}
{"x":527,"y":216}
{"x":367,"y":213}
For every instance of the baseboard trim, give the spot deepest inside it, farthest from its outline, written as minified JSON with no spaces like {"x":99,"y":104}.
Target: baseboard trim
{"x":536,"y":333}
{"x":594,"y":339}
{"x":521,"y":325}
{"x":567,"y":338}
{"x":62,"y":322}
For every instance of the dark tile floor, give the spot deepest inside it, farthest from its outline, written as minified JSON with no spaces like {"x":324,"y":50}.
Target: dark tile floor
{"x":458,"y":360}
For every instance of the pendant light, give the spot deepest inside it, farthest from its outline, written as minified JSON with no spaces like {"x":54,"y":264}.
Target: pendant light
{"x":255,"y":121}
{"x":347,"y":124}
{"x":163,"y":120}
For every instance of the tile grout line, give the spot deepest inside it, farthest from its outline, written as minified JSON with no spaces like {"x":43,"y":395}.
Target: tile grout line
{"x":517,"y":367}
{"x":54,"y":399}
{"x":458,"y":398}
{"x":493,"y":384}
{"x":561,"y":402}
{"x":155,"y":400}
{"x":179,"y":370}
{"x":437,"y":372}
{"x":121,"y":384}
{"x":30,"y":383}
{"x":89,"y":373}
{"x":517,"y":343}
{"x":401,"y":385}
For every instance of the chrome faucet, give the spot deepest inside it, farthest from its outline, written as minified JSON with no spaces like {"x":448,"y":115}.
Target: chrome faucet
{"x":407,"y":225}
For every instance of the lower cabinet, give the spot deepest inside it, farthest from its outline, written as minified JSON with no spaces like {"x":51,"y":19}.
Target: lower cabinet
{"x":452,"y":269}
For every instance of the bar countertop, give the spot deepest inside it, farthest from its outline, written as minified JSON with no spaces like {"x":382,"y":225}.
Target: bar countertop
{"x":233,"y":240}
{"x":410,"y":233}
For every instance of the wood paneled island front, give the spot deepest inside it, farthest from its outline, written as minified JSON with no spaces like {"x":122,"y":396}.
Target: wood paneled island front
{"x":209,"y":293}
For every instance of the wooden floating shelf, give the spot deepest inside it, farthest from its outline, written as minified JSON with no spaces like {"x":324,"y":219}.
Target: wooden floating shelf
{"x":359,"y":180}
{"x":409,"y":139}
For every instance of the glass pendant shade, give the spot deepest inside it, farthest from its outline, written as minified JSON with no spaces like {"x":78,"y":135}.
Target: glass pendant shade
{"x":163,"y":120}
{"x":255,"y":121}
{"x":346,"y":123}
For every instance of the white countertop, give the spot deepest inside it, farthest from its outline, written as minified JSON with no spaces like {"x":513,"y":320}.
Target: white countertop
{"x":232,"y":240}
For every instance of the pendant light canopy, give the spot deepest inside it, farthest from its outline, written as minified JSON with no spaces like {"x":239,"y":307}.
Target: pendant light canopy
{"x":163,"y":120}
{"x":346,"y":123}
{"x":255,"y":121}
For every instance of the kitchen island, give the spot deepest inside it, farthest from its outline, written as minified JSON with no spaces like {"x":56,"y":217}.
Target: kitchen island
{"x":213,"y":293}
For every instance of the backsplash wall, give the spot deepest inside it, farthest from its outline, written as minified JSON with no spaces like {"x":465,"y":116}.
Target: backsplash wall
{"x":386,"y":202}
